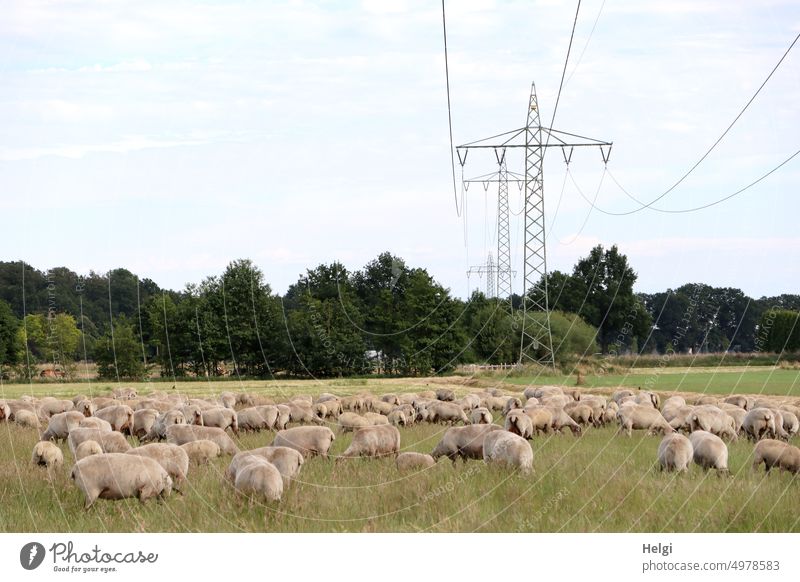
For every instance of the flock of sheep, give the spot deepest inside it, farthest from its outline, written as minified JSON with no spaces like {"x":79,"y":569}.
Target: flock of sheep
{"x":173,"y":432}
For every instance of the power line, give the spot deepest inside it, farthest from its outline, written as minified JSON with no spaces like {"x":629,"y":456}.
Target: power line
{"x":449,"y":113}
{"x":564,"y":71}
{"x":715,"y":144}
{"x":588,"y":40}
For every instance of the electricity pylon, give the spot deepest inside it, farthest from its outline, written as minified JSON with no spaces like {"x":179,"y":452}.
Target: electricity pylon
{"x":490,"y":270}
{"x":536,"y":340}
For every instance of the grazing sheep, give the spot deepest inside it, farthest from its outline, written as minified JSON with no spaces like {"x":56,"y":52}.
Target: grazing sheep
{"x":707,"y":400}
{"x":509,"y":449}
{"x":374,"y":441}
{"x":541,"y":418}
{"x":201,"y":452}
{"x":737,"y":400}
{"x":109,"y":441}
{"x":678,"y":417}
{"x":561,"y":419}
{"x":774,"y":453}
{"x":244,"y":399}
{"x":409,"y":461}
{"x":301,"y":412}
{"x":376,"y":419}
{"x":288,"y":461}
{"x":221,"y":418}
{"x":397,"y":418}
{"x":353,"y":403}
{"x":463,"y":441}
{"x":709,"y":451}
{"x":98,"y":423}
{"x":759,"y":423}
{"x":675,"y":453}
{"x":557,"y":401}
{"x":282,"y":421}
{"x":307,"y":440}
{"x":512,"y":403}
{"x":5,"y":411}
{"x":179,"y":434}
{"x":172,"y":458}
{"x":120,"y":476}
{"x":780,"y":432}
{"x":470,"y":402}
{"x":640,"y":417}
{"x":143,"y":421}
{"x":445,"y":395}
{"x":161,"y":405}
{"x":350,"y":421}
{"x":101,"y":402}
{"x":446,"y":412}
{"x":260,"y":478}
{"x":581,"y":413}
{"x":85,"y":407}
{"x":46,"y":454}
{"x":86,"y":449}
{"x":228,"y":400}
{"x":166,"y":419}
{"x":545,"y":391}
{"x":120,"y":416}
{"x":124,"y":393}
{"x":519,"y":423}
{"x":193,"y":414}
{"x":620,"y":395}
{"x":673,"y":401}
{"x":257,"y":418}
{"x":26,"y":419}
{"x":711,"y":419}
{"x":380,"y":407}
{"x":51,"y":406}
{"x":791,"y":424}
{"x":481,"y":415}
{"x":60,"y":424}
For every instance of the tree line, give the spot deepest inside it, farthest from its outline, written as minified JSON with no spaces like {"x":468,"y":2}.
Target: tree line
{"x":386,"y":318}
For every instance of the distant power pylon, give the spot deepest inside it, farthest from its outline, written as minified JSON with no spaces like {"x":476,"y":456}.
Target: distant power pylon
{"x":490,"y":270}
{"x":536,"y":340}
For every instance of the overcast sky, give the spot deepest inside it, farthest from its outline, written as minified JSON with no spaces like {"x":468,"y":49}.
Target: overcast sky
{"x":172,"y":137}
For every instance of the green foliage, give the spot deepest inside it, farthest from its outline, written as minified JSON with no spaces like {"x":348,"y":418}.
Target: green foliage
{"x":779,"y":331}
{"x":573,"y":338}
{"x":119,"y":353}
{"x":9,"y":324}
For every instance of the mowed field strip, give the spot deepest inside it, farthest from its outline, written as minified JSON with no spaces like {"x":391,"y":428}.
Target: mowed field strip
{"x":596,"y":482}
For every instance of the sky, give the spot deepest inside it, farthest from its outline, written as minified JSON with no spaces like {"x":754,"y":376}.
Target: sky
{"x":170,"y":138}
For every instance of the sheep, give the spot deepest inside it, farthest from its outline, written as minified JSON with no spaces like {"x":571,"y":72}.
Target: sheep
{"x":381,"y":407}
{"x":445,"y":395}
{"x":161,"y":405}
{"x":712,"y":419}
{"x":707,"y":400}
{"x":678,"y":417}
{"x":759,"y":423}
{"x":256,"y":418}
{"x":780,"y":432}
{"x":374,"y":441}
{"x":46,"y":454}
{"x":120,"y":476}
{"x":638,"y":416}
{"x":94,"y":422}
{"x":307,"y":440}
{"x":541,"y":418}
{"x":179,"y":434}
{"x":143,"y":421}
{"x":159,"y":429}
{"x":244,"y":399}
{"x":60,"y":424}
{"x":509,"y":449}
{"x":561,"y":419}
{"x":558,"y":401}
{"x":85,"y":407}
{"x":305,"y":399}
{"x":101,"y":402}
{"x":201,"y":452}
{"x":463,"y":441}
{"x":470,"y":402}
{"x":481,"y":415}
{"x":791,"y":424}
{"x":5,"y":411}
{"x":774,"y":453}
{"x":260,"y":478}
{"x":542,"y":391}
{"x":648,"y":399}
{"x":409,"y":461}
{"x":124,"y":393}
{"x":675,"y":452}
{"x":120,"y":417}
{"x":397,"y":418}
{"x":288,"y":461}
{"x":26,"y":419}
{"x":51,"y":406}
{"x":353,"y":404}
{"x":619,"y":395}
{"x":221,"y":418}
{"x":512,"y":403}
{"x":193,"y":414}
{"x":376,"y":419}
{"x":282,"y":421}
{"x":333,"y":408}
{"x":448,"y":412}
{"x":519,"y":423}
{"x":87,"y":448}
{"x":737,"y":400}
{"x":350,"y":421}
{"x":581,"y":413}
{"x":301,"y":412}
{"x":173,"y":458}
{"x":736,"y":413}
{"x":109,"y":441}
{"x":494,"y":403}
{"x":227,"y":400}
{"x":709,"y":451}
{"x":673,"y":401}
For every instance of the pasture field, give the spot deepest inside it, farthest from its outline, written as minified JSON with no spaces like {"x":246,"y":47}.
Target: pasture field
{"x":596,"y":482}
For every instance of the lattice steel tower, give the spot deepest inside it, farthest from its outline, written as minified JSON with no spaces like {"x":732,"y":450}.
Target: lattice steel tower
{"x":536,"y":341}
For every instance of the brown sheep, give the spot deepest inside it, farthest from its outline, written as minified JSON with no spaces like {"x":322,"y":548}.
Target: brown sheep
{"x":463,"y":441}
{"x":774,"y":453}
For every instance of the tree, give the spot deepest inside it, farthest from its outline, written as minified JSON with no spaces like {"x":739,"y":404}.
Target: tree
{"x":9,"y":324}
{"x":487,"y":325}
{"x":781,"y":330}
{"x":119,"y":355}
{"x":600,"y":290}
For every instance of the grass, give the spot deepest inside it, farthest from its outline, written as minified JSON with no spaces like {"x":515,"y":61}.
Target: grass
{"x":598,"y":482}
